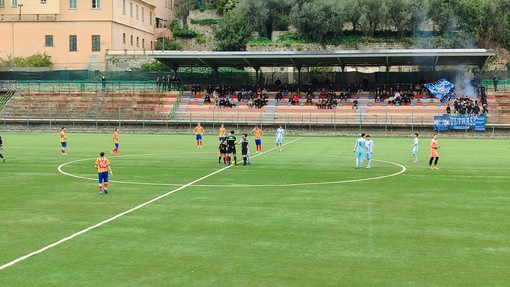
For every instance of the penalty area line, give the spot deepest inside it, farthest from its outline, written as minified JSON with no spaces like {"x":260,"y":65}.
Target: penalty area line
{"x":63,"y":240}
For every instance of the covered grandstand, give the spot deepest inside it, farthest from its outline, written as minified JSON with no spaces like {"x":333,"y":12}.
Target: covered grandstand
{"x":143,"y":102}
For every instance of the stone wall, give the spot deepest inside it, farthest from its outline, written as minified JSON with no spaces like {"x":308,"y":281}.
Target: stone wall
{"x":126,"y":62}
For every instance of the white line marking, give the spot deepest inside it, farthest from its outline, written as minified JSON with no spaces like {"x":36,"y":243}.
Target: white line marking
{"x":403,"y":169}
{"x":114,"y":217}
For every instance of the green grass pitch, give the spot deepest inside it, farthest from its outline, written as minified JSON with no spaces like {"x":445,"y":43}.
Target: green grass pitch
{"x":300,"y":217}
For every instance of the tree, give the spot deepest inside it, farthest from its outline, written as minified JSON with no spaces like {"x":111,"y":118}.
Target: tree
{"x":443,"y":16}
{"x":400,"y":15}
{"x":35,"y":60}
{"x":266,"y":16}
{"x":352,"y":11}
{"x":373,"y":14}
{"x":232,"y":33}
{"x":182,"y":8}
{"x":317,"y":20}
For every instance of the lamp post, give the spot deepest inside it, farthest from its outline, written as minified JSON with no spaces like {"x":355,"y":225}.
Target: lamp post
{"x":20,"y":5}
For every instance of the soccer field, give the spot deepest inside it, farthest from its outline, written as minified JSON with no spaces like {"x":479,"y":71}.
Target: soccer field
{"x":298,"y":217}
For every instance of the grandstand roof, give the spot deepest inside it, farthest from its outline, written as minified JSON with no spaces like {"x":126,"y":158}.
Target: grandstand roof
{"x":343,"y":58}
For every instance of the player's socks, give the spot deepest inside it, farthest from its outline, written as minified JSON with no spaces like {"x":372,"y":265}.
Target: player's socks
{"x":235,"y":160}
{"x":219,"y":159}
{"x":105,"y":188}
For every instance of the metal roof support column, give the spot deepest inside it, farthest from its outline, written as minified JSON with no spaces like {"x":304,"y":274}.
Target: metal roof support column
{"x":387,"y":75}
{"x":342,"y":78}
{"x":215,"y":72}
{"x":299,"y":75}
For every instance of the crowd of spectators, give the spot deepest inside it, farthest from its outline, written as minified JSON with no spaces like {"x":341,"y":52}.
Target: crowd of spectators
{"x":255,"y":96}
{"x":223,"y":96}
{"x":167,"y":83}
{"x":465,"y":106}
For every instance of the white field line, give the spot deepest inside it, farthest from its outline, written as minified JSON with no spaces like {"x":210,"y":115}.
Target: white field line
{"x":114,"y":217}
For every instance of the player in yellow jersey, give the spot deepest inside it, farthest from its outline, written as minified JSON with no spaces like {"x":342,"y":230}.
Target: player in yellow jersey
{"x":257,"y":132}
{"x":103,"y":167}
{"x":199,"y":132}
{"x":63,"y":141}
{"x":221,"y":135}
{"x":115,"y":151}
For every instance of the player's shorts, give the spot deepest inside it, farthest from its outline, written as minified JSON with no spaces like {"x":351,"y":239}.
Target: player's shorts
{"x":258,"y":141}
{"x":231,"y":149}
{"x":360,"y":154}
{"x":221,"y":139}
{"x":117,"y":145}
{"x":244,"y":151}
{"x":415,"y":150}
{"x":369,"y":155}
{"x":199,"y":137}
{"x":102,"y":176}
{"x":223,"y":150}
{"x":279,"y":140}
{"x":64,"y":144}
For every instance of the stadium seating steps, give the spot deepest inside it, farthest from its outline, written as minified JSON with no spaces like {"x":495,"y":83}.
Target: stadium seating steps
{"x":192,"y":107}
{"x":90,"y":105}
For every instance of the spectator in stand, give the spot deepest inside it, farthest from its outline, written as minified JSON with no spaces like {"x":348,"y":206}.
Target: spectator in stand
{"x":158,"y":83}
{"x":103,"y":80}
{"x":495,"y":80}
{"x":295,"y":100}
{"x":448,"y":110}
{"x":476,"y":109}
{"x":323,"y":93}
{"x":279,"y":96}
{"x":207,"y":99}
{"x":309,"y":99}
{"x":164,"y":83}
{"x":355,"y":104}
{"x":278,"y":83}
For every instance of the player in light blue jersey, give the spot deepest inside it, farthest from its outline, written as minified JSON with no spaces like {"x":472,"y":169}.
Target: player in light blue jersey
{"x":359,"y":149}
{"x":415,"y":147}
{"x":280,"y":133}
{"x":370,"y":150}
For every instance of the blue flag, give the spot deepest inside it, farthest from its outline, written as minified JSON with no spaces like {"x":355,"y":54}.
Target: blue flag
{"x":441,"y":89}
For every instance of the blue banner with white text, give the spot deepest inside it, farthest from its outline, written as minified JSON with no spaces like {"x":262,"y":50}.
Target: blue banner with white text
{"x":444,"y":123}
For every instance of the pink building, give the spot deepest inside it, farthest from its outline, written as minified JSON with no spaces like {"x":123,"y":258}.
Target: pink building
{"x":77,"y":34}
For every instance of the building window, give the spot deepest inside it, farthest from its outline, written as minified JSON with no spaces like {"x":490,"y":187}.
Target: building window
{"x":131,"y":10}
{"x":2,"y":3}
{"x":43,"y":1}
{"x":48,"y":41}
{"x":73,"y":43}
{"x":124,"y":7}
{"x":96,"y":4}
{"x":73,"y":4}
{"x":137,"y":42}
{"x":14,"y":3}
{"x":96,"y":43}
{"x":131,"y":40}
{"x":143,"y":43}
{"x":143,"y":16}
{"x":150,"y":17}
{"x":136,"y":12}
{"x":151,"y":45}
{"x":124,"y":38}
